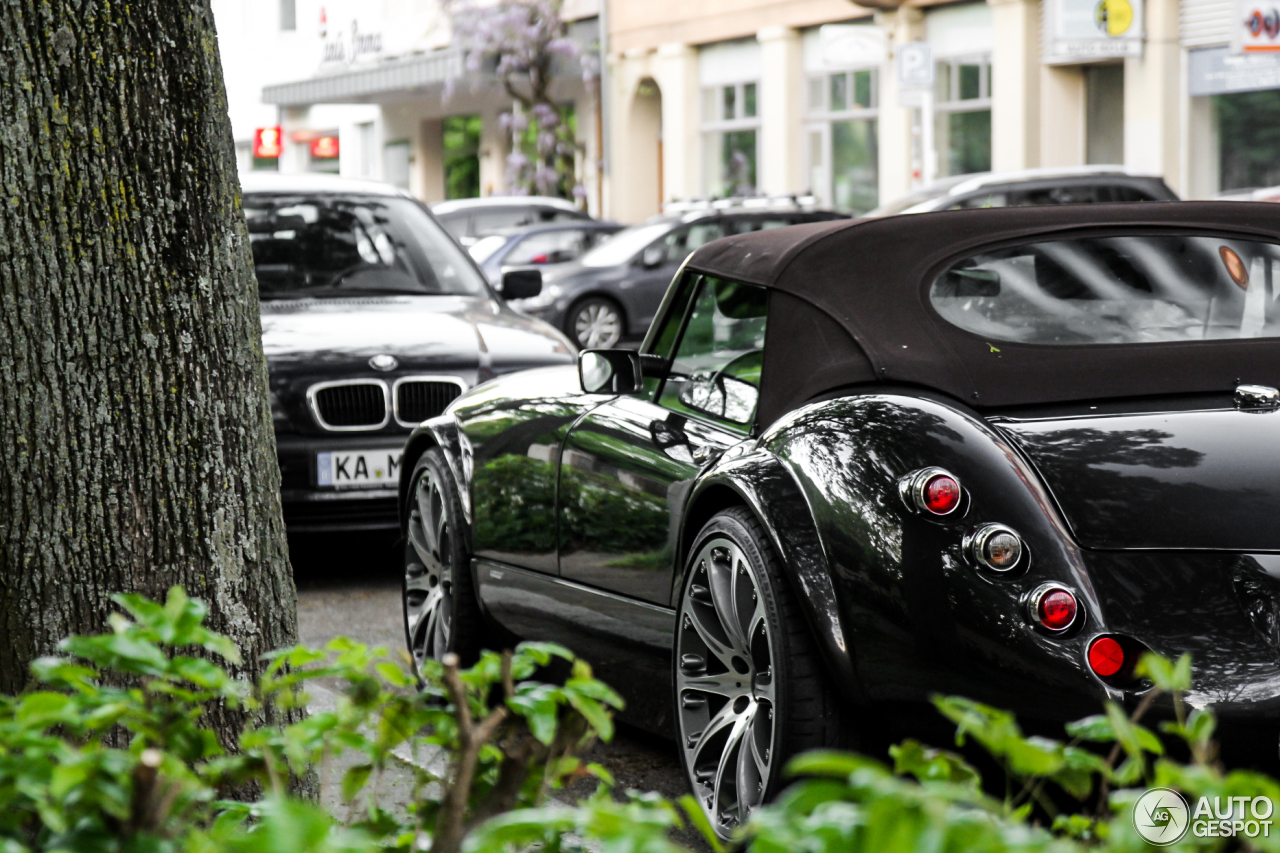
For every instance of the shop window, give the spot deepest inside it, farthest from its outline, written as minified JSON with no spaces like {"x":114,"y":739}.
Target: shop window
{"x":730,"y":125}
{"x":1249,"y":130}
{"x":962,"y":120}
{"x":842,"y":139}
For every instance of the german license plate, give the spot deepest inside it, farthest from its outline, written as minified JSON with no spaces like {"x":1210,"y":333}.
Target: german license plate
{"x":358,"y":468}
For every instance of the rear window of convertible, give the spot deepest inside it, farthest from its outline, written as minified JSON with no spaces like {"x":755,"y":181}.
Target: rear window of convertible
{"x":1116,"y":290}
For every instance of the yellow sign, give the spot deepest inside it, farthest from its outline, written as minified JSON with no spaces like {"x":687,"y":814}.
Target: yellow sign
{"x":1113,"y":17}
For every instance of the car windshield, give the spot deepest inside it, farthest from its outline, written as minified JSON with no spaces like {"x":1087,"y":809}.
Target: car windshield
{"x":483,"y":249}
{"x":1116,"y":290}
{"x":624,"y":245}
{"x":331,"y":245}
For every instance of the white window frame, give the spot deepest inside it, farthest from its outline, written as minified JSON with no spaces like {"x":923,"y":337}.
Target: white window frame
{"x":714,"y":125}
{"x":951,"y":103}
{"x":818,"y":123}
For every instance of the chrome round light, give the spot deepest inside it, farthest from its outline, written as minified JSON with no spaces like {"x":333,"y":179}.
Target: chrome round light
{"x":1054,"y":608}
{"x":995,"y":547}
{"x":931,"y":490}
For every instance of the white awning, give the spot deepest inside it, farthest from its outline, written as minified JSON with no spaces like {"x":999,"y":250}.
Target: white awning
{"x":370,"y":83}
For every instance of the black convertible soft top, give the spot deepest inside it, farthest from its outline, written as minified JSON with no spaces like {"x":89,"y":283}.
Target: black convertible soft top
{"x":850,"y":305}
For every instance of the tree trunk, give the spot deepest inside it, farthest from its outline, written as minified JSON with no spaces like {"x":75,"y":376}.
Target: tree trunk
{"x":137,"y":446}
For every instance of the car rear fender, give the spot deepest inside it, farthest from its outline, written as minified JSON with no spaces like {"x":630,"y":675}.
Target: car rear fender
{"x":758,"y":480}
{"x":441,"y":432}
{"x":920,"y":616}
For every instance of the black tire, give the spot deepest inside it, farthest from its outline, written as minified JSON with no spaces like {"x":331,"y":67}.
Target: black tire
{"x":771,"y":682}
{"x":595,"y":322}
{"x":437,"y":570}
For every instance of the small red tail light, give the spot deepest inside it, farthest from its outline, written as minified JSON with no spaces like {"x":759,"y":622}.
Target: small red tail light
{"x":941,"y":494}
{"x":1054,"y":607}
{"x":931,"y":490}
{"x":1106,"y":656}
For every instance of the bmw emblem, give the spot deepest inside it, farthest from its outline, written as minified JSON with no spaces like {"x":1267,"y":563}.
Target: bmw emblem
{"x":384,"y":362}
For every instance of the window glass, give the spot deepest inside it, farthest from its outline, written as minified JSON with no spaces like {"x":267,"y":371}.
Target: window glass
{"x":1133,"y":289}
{"x":815,"y":94}
{"x":746,"y":226}
{"x":854,"y":173}
{"x":625,"y":245}
{"x":547,"y":247}
{"x":716,"y":368}
{"x":332,"y":245}
{"x":864,"y":89}
{"x":457,"y":224}
{"x":839,"y":92}
{"x":982,"y":200}
{"x":483,"y":249}
{"x":729,"y":94}
{"x":681,"y":242}
{"x":485,"y":222}
{"x":749,"y":100}
{"x":970,"y":80}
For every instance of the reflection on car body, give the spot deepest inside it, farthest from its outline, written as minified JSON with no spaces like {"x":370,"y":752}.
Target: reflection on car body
{"x":860,"y":463}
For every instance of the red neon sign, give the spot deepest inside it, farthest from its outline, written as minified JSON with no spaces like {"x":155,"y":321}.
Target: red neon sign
{"x":268,"y":143}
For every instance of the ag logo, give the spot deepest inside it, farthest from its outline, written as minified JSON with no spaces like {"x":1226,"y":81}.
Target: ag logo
{"x":1161,"y":816}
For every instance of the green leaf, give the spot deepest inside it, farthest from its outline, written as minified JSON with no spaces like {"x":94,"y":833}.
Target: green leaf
{"x":353,"y":781}
{"x":932,"y":765}
{"x":1169,"y":677}
{"x":699,"y":819}
{"x":829,"y":764}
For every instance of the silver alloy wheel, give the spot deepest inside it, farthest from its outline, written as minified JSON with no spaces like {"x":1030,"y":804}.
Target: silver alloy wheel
{"x":597,"y":325}
{"x":724,"y":685}
{"x":428,"y":600}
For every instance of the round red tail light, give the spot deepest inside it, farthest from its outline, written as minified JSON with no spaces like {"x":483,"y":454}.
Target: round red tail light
{"x":941,"y":494}
{"x":931,"y":490}
{"x":1054,"y":607}
{"x":1106,"y":656}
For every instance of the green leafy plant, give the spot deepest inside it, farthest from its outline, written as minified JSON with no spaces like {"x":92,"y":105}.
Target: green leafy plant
{"x":111,"y":751}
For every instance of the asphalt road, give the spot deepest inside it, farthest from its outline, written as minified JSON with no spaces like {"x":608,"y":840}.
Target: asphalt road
{"x":349,"y":585}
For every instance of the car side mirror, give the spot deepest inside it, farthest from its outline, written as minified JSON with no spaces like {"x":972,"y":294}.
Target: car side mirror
{"x":520,"y":284}
{"x":609,"y":371}
{"x":654,"y":256}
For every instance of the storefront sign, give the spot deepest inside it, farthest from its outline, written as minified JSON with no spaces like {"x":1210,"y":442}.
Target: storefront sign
{"x":1257,"y":28}
{"x":851,"y":46}
{"x":1092,"y":30}
{"x":1215,"y":71}
{"x":267,"y":143}
{"x":324,"y":148}
{"x":349,"y":43}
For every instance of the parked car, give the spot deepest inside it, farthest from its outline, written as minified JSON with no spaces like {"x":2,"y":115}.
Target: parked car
{"x":1032,"y":187}
{"x":538,"y":245}
{"x":998,"y":454}
{"x":1268,"y":194}
{"x":615,"y":289}
{"x":373,"y":320}
{"x":471,"y":219}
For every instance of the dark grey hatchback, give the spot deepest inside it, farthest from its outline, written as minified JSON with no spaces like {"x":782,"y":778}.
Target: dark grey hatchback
{"x":614,"y":290}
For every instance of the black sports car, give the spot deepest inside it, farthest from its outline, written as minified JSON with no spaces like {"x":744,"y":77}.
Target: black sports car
{"x":991,"y":453}
{"x":373,"y":320}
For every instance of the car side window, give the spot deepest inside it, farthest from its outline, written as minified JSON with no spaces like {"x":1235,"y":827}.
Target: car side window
{"x":746,"y":226}
{"x":715,"y":371}
{"x":548,"y":247}
{"x":680,"y":243}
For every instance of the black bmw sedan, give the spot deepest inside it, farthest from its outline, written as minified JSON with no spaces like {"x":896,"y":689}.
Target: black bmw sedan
{"x":373,"y":320}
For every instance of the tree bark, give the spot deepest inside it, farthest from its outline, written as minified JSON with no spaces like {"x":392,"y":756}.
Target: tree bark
{"x":136,"y":446}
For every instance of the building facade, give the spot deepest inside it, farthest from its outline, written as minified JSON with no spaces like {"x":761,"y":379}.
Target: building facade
{"x":378,"y":89}
{"x":809,"y":96}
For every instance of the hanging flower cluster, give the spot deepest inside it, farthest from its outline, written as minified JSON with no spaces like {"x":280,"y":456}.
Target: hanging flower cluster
{"x":521,"y":42}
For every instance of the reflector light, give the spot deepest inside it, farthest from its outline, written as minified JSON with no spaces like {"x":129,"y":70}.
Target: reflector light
{"x":995,"y":547}
{"x":1056,"y":608}
{"x":941,"y":494}
{"x":1106,"y":656}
